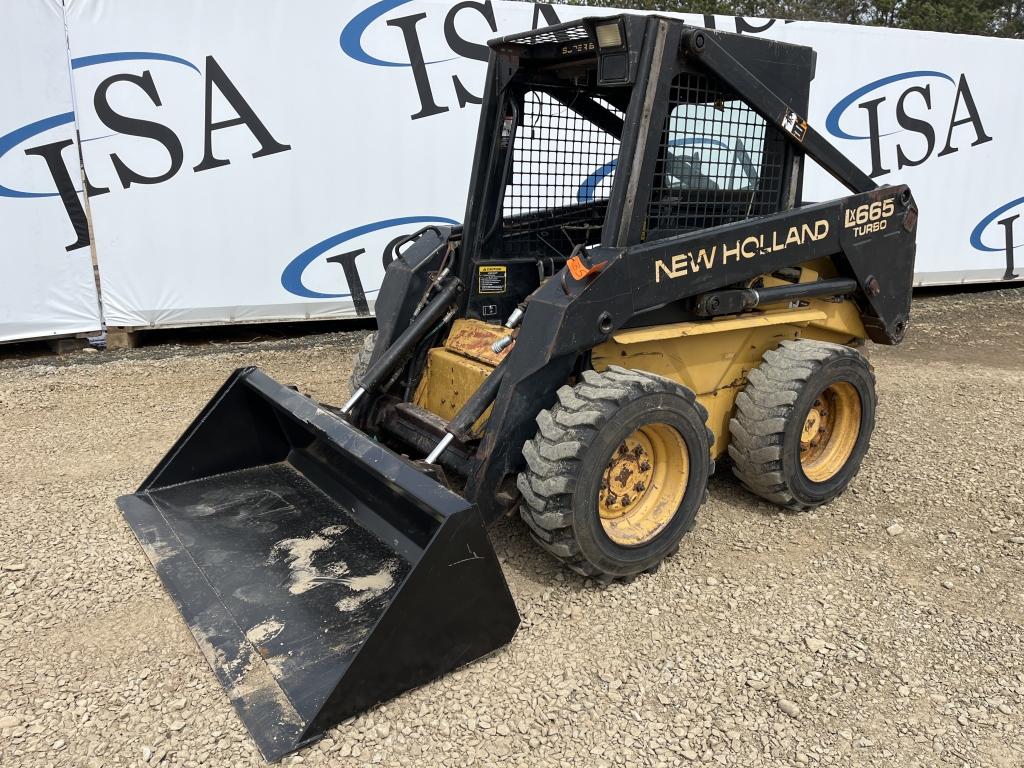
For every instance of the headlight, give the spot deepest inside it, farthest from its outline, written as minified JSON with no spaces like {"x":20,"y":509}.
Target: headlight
{"x":609,"y":35}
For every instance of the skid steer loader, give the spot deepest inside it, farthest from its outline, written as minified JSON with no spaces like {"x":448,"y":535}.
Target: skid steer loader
{"x":636,"y":291}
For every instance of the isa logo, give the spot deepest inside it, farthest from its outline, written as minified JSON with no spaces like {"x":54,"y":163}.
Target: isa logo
{"x":995,"y":232}
{"x":310,"y":275}
{"x":435,"y":36}
{"x":909,"y":117}
{"x":37,"y":160}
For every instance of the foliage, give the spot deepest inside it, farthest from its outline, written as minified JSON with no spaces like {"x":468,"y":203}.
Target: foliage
{"x":1004,"y":18}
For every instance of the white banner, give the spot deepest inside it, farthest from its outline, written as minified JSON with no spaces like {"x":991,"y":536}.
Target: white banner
{"x":47,"y":288}
{"x":251,"y":159}
{"x":938,"y":117}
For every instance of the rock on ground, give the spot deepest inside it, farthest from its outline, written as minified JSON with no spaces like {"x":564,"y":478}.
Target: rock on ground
{"x":850,"y":627}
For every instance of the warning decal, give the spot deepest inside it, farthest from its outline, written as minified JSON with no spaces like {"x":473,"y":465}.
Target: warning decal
{"x":492,"y":279}
{"x":795,"y":124}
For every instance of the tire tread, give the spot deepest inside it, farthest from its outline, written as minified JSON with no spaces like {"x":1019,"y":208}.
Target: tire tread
{"x":556,"y":454}
{"x":362,"y":361}
{"x":764,"y":408}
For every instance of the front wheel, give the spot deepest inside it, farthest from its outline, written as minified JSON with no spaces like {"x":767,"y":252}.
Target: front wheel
{"x":616,"y":472}
{"x":362,"y":361}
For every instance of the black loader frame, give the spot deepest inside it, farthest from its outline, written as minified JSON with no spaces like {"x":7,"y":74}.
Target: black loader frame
{"x":318,"y":554}
{"x":637,"y":283}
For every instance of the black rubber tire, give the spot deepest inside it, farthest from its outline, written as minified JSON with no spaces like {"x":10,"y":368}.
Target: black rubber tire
{"x":565,"y":463}
{"x":765,"y":432}
{"x":362,"y":361}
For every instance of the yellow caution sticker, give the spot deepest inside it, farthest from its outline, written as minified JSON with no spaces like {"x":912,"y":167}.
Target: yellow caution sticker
{"x":492,"y":278}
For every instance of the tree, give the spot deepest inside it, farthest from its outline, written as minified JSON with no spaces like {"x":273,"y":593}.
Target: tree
{"x":1004,"y":18}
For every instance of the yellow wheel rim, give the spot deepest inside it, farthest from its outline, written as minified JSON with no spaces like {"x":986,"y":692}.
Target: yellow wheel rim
{"x":643,"y":484}
{"x":830,"y":431}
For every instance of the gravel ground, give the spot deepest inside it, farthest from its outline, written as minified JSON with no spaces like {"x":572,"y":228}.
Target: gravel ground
{"x":884,"y":629}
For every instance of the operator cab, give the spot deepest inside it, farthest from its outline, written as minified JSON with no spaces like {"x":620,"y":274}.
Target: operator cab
{"x":571,"y":98}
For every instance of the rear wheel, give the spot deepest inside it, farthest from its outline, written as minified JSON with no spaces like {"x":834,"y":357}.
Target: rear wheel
{"x":616,"y":472}
{"x":803,"y":423}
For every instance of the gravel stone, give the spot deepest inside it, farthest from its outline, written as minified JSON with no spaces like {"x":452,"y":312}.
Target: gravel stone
{"x":814,"y":644}
{"x":895,"y":529}
{"x":788,"y":707}
{"x":94,"y":655}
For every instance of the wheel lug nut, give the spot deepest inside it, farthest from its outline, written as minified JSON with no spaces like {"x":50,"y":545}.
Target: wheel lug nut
{"x":639,"y":487}
{"x":644,"y":466}
{"x":612,"y":498}
{"x":625,"y":501}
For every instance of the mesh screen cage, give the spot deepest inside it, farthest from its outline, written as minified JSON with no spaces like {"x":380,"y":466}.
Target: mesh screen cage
{"x":563,"y":166}
{"x":719,"y":161}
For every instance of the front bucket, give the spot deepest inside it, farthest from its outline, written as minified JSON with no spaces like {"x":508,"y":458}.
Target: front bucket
{"x":319,"y":572}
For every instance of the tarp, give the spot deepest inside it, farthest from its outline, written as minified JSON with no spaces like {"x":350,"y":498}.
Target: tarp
{"x":250,"y":160}
{"x":939,"y":117}
{"x":47,"y":286}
